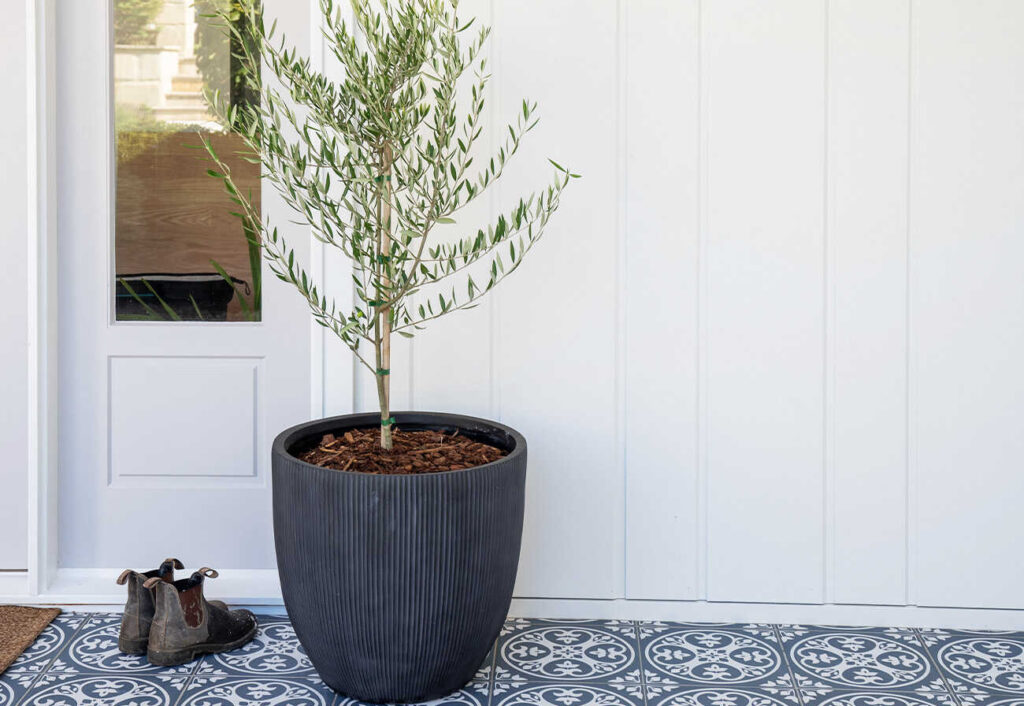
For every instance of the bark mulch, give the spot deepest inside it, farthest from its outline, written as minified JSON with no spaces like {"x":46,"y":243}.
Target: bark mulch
{"x":413,"y":452}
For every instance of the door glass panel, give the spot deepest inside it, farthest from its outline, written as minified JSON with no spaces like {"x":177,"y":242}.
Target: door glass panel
{"x":179,"y":254}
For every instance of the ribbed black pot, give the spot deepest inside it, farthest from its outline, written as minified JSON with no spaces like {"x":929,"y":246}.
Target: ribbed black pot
{"x":397,"y":585}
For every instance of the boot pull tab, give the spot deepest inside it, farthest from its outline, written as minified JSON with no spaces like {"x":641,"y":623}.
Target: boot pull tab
{"x":167,"y":568}
{"x":123,"y":578}
{"x":208,"y":572}
{"x":153,"y":582}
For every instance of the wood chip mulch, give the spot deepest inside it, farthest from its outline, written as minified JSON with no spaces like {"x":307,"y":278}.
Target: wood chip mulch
{"x":413,"y":452}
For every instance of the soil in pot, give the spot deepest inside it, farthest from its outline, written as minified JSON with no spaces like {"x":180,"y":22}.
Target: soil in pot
{"x":420,"y":451}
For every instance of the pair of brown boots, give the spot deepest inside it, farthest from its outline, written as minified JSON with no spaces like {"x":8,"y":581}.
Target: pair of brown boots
{"x":171,"y":622}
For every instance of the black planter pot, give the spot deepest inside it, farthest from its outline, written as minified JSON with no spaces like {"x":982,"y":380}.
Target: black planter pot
{"x":398,"y":585}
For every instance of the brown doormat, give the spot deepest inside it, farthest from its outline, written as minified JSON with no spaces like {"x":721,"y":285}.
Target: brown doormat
{"x":19,"y":627}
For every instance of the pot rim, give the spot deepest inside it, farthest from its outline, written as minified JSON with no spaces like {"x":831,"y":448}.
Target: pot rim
{"x":461,"y":421}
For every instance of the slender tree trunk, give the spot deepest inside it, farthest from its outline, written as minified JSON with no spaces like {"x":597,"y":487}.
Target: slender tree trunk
{"x":384,"y":315}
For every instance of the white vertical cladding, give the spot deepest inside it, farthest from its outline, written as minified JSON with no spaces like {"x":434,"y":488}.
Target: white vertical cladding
{"x":556,"y":359}
{"x":767,"y":191}
{"x":660,"y":387}
{"x":453,"y":358}
{"x":764,"y":73}
{"x":867,"y":254}
{"x":334,"y":366}
{"x":967,"y":301}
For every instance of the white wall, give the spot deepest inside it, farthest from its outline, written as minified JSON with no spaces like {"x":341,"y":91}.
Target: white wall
{"x":14,"y":300}
{"x":771,"y":350}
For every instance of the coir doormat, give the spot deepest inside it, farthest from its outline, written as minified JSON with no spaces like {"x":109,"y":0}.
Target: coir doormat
{"x":19,"y":627}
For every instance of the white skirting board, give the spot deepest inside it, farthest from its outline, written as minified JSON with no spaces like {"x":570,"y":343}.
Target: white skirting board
{"x":98,"y":586}
{"x":784,"y":613}
{"x":260,"y":590}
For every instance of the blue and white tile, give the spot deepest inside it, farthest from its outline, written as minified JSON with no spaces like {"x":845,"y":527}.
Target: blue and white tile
{"x":10,"y":691}
{"x":106,"y":689}
{"x":790,"y":633}
{"x":258,"y":690}
{"x":694,"y":695}
{"x":93,"y":651}
{"x":967,"y":694}
{"x":875,"y":698}
{"x":475,"y":694}
{"x":981,"y":667}
{"x":641,"y":684}
{"x":504,"y":681}
{"x":41,"y":655}
{"x":486,"y":669}
{"x":565,"y":694}
{"x":274,"y":652}
{"x":655,"y":687}
{"x":562,"y":663}
{"x":933,"y":693}
{"x":992,"y":700}
{"x":565,"y":651}
{"x":731,"y":654}
{"x":876,"y":659}
{"x":648,"y":628}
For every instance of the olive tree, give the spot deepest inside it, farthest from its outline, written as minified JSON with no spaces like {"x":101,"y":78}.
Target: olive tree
{"x":380,"y":161}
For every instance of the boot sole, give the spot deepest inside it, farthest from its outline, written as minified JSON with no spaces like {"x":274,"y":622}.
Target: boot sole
{"x":133,"y":647}
{"x":175,"y":657}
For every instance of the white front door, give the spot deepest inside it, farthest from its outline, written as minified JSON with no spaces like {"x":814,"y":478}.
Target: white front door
{"x":165,"y":425}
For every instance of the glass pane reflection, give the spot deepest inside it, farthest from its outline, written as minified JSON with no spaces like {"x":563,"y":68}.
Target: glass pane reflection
{"x":179,"y":253}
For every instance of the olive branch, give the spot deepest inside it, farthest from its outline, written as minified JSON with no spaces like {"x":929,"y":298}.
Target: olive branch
{"x":375,"y":163}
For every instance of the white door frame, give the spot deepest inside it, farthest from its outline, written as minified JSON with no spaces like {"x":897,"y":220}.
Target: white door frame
{"x":42,"y":296}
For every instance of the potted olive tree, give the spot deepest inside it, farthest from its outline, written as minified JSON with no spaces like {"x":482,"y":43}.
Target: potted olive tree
{"x":397,"y":533}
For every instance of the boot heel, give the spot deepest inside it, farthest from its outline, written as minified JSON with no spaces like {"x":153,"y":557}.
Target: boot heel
{"x":171,"y":659}
{"x":136,"y":646}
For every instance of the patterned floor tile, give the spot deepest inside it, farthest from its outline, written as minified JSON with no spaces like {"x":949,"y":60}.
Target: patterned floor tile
{"x":564,"y":694}
{"x":789,"y":633}
{"x":989,"y":699}
{"x":109,"y":690}
{"x":258,"y":690}
{"x":879,"y":698}
{"x":486,"y":670}
{"x":787,"y":691}
{"x":933,"y":693}
{"x":982,"y":667}
{"x":776,"y":690}
{"x":859,"y":659}
{"x":474,"y":694}
{"x":565,"y":651}
{"x":694,"y":695}
{"x":40,"y":656}
{"x":75,"y":662}
{"x":275,"y":651}
{"x":93,"y":651}
{"x":719,"y":655}
{"x":11,"y":690}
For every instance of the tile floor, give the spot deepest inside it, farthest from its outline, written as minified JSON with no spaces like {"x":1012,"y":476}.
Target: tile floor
{"x":75,"y":662}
